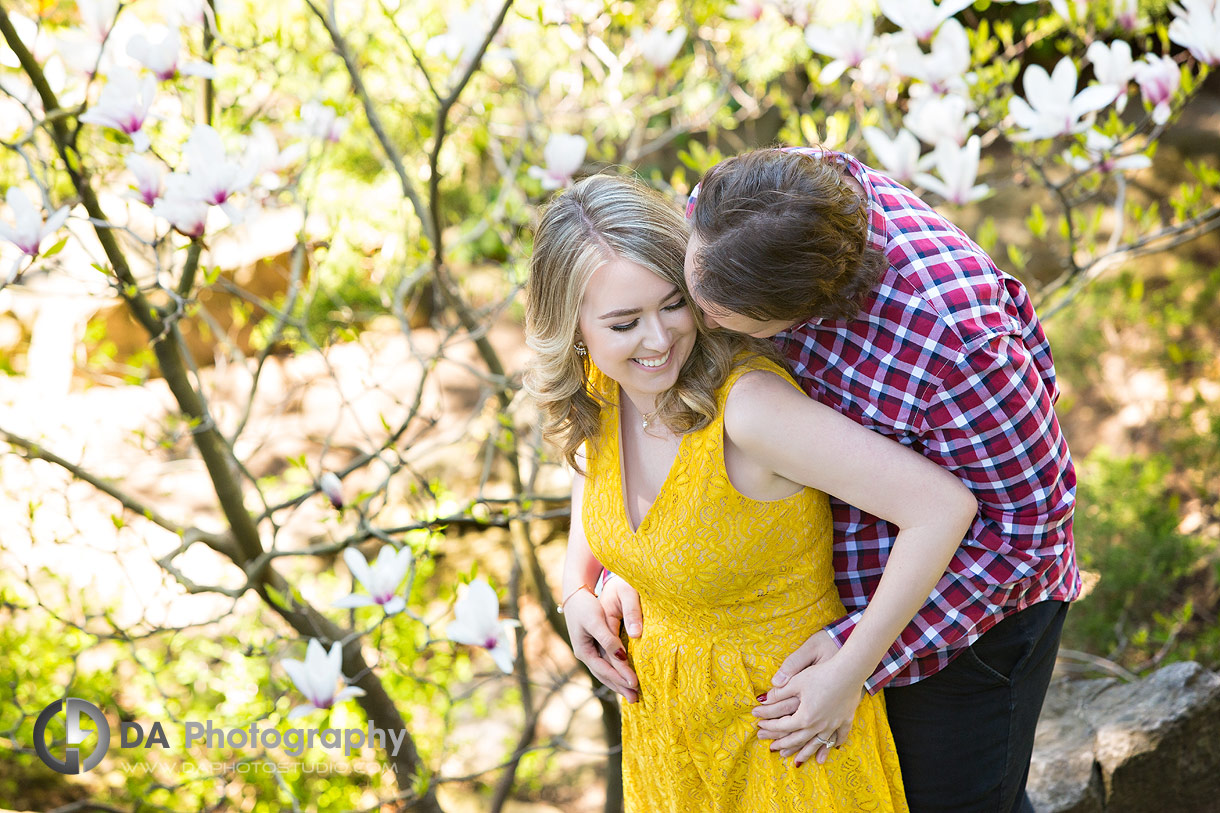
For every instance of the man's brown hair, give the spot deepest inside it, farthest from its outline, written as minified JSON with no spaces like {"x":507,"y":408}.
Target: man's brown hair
{"x":783,"y":236}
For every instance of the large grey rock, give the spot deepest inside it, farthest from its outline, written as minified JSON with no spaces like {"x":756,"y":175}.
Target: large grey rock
{"x":1148,"y":745}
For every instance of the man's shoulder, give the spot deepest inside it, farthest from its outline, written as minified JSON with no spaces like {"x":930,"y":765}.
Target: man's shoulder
{"x":935,"y":272}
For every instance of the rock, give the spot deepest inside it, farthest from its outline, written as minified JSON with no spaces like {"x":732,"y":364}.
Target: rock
{"x":1152,"y":744}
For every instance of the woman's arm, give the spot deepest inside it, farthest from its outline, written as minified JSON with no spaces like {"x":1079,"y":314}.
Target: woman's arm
{"x":783,"y":431}
{"x":594,"y":642}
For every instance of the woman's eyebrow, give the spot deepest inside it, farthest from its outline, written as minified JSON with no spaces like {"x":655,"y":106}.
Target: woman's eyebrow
{"x":618,"y":314}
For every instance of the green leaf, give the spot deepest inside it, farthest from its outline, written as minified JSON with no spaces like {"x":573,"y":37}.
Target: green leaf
{"x":1036,"y":221}
{"x":987,"y":235}
{"x":58,"y":247}
{"x":1016,"y":257}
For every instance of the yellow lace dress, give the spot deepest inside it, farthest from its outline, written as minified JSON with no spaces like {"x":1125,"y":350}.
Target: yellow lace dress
{"x":729,"y":587}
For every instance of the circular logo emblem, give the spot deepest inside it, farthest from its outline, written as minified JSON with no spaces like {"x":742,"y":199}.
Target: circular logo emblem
{"x":72,"y":763}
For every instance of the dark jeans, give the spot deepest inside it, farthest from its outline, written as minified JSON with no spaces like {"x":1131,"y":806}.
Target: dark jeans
{"x":965,"y":734}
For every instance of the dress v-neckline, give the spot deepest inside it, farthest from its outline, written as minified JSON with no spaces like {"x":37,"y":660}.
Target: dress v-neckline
{"x":622,"y":469}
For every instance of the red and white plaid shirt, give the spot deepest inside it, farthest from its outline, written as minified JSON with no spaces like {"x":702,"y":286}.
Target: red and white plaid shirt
{"x":947,"y":357}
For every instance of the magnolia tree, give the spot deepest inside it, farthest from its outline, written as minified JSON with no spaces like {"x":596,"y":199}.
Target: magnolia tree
{"x":139,"y":137}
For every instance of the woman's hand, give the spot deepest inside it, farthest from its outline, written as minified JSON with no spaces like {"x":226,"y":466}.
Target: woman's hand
{"x":595,"y":642}
{"x":813,"y":710}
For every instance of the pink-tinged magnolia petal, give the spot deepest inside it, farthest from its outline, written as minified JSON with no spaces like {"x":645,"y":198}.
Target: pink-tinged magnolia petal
{"x":1092,"y":98}
{"x":55,"y":221}
{"x":503,"y":657}
{"x":1160,"y":114}
{"x":150,"y":183}
{"x":359,"y":566}
{"x":1037,"y":82}
{"x":332,"y":488}
{"x":299,"y":675}
{"x":395,"y":605}
{"x":11,"y":273}
{"x":391,"y":568}
{"x":899,"y":155}
{"x":832,"y":71}
{"x":353,"y":600}
{"x":301,"y":711}
{"x":187,"y":214}
{"x":658,"y":46}
{"x":477,"y":613}
{"x":347,"y":693}
{"x":203,"y":70}
{"x":1196,"y":27}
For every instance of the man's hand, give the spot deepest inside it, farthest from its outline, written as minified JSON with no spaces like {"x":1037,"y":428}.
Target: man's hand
{"x":794,"y":691}
{"x":621,"y":602}
{"x":595,"y":642}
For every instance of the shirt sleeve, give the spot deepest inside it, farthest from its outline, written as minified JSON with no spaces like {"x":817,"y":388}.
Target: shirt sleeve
{"x":991,"y":422}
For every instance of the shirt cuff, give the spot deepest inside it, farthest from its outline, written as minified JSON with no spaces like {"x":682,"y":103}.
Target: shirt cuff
{"x":895,"y":660}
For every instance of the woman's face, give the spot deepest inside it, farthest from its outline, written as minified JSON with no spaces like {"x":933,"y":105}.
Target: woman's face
{"x":638,"y":327}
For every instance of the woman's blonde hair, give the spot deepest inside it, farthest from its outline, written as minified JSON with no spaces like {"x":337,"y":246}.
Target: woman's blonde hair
{"x":598,"y":220}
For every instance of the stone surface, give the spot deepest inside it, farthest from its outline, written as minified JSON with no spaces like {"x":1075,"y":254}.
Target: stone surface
{"x":1148,"y":745}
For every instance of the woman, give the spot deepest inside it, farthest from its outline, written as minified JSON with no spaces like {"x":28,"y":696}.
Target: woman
{"x":701,"y":477}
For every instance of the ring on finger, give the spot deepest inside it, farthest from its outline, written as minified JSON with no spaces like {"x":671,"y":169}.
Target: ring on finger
{"x":829,"y":743}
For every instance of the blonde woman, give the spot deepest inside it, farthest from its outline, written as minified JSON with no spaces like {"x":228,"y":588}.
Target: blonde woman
{"x":701,"y":477}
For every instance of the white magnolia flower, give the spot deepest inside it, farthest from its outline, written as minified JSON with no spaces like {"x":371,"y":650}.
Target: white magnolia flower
{"x":1196,"y":27}
{"x":214,"y":177}
{"x":478,"y":623}
{"x":898,"y":155}
{"x":746,"y":10}
{"x":332,"y":488}
{"x":890,"y":57}
{"x":1113,"y":67}
{"x":797,"y":12}
{"x":1158,"y":78}
{"x":1099,"y":155}
{"x":123,"y":105}
{"x":381,"y":580}
{"x":848,"y":42}
{"x":97,"y":17}
{"x":958,"y":168}
{"x":28,"y":230}
{"x":658,"y":46}
{"x":940,"y":118}
{"x":1054,"y":107}
{"x":190,"y":13}
{"x":181,"y":207}
{"x":944,"y":68}
{"x":1127,"y":13}
{"x":564,"y":155}
{"x":15,"y":119}
{"x":921,"y":17}
{"x":322,"y":122}
{"x":159,"y":52}
{"x":264,"y":156}
{"x":464,"y":34}
{"x":317,"y":676}
{"x":20,"y":104}
{"x":32,"y":36}
{"x":150,"y":183}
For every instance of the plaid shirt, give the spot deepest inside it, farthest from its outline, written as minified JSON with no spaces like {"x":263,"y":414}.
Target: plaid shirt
{"x":946,"y":357}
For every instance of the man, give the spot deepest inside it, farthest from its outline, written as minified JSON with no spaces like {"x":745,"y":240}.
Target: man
{"x":891,"y":315}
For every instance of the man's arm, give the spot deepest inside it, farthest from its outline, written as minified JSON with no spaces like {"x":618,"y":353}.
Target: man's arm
{"x":992,"y":423}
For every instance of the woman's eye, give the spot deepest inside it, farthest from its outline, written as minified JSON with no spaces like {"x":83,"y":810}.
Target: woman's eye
{"x":625,"y":325}
{"x":677,"y":306}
